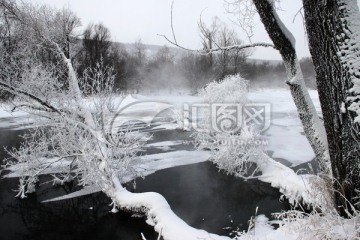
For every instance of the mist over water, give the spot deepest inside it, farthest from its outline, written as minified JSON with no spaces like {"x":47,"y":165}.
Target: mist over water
{"x":187,"y":73}
{"x":165,"y":79}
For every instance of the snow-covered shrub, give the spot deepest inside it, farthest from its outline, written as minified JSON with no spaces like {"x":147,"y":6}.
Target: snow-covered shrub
{"x":318,"y":225}
{"x":232,"y":151}
{"x":306,"y":226}
{"x":232,"y":89}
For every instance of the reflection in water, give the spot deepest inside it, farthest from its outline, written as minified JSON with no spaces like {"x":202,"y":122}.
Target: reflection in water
{"x":200,"y":194}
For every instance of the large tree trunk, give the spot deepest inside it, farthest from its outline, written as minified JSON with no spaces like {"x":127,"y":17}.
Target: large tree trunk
{"x":285,"y":42}
{"x":333,"y":30}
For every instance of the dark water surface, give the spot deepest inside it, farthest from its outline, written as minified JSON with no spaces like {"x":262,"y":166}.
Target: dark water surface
{"x":198,"y":193}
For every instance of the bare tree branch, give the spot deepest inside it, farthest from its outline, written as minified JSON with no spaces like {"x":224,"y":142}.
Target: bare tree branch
{"x":49,"y":107}
{"x":213,"y":50}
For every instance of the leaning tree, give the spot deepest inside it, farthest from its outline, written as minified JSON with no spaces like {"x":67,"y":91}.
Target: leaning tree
{"x":333,"y":34}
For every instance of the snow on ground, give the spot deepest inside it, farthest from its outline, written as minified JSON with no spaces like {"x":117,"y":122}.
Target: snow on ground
{"x":161,"y":217}
{"x":305,"y":227}
{"x":296,"y":188}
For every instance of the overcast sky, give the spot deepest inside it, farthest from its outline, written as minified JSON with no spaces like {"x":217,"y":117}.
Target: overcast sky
{"x":129,"y":20}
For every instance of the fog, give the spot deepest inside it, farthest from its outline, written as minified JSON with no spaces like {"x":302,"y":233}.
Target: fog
{"x":170,"y":71}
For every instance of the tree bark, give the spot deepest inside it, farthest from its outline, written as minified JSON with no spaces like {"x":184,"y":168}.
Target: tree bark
{"x":334,"y":45}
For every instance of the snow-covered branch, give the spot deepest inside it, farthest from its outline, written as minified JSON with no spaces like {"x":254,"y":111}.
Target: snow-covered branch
{"x":46,"y":106}
{"x":210,"y":49}
{"x":219,"y":49}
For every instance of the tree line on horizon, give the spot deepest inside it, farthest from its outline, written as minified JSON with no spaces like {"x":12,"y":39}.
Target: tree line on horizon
{"x":140,"y":69}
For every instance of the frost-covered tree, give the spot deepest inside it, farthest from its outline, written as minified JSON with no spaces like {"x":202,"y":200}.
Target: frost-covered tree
{"x":333,"y":28}
{"x":58,"y":26}
{"x":76,"y":138}
{"x":61,"y":25}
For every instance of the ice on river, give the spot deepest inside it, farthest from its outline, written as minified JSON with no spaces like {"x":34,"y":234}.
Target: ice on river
{"x":286,"y":140}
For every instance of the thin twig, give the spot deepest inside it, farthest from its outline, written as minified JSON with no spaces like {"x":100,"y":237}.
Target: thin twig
{"x":172,"y":24}
{"x":297,"y":13}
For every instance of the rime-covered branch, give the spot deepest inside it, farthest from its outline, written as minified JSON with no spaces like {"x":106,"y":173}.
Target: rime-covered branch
{"x":31,"y":96}
{"x":219,"y":49}
{"x":210,"y":50}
